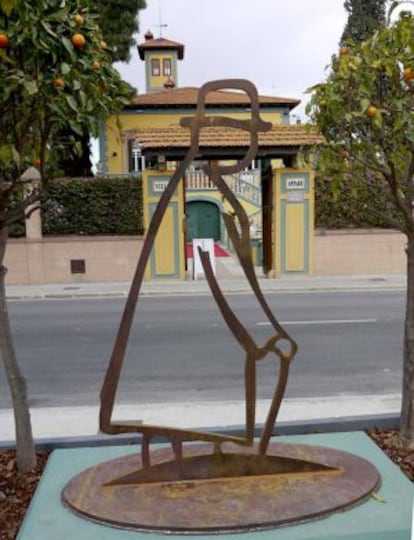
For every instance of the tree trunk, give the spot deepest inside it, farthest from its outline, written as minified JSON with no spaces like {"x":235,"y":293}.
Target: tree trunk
{"x":25,"y":448}
{"x":407,"y":410}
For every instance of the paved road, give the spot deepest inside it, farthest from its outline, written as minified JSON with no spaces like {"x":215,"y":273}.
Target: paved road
{"x":349,"y":343}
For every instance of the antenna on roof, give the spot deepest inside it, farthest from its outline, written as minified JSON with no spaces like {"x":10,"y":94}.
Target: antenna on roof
{"x":160,"y":24}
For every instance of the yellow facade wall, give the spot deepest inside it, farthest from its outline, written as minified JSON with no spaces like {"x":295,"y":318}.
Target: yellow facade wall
{"x":116,"y":148}
{"x":295,"y":238}
{"x":159,"y":81}
{"x":164,"y":255}
{"x":294,"y":221}
{"x":167,"y":254}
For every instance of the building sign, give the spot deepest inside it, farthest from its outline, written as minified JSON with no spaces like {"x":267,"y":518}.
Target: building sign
{"x":159,"y":186}
{"x":295,"y":183}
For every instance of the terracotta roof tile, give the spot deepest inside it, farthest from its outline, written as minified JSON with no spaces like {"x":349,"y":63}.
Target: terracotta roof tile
{"x":178,"y":137}
{"x":160,"y":43}
{"x":188,"y":96}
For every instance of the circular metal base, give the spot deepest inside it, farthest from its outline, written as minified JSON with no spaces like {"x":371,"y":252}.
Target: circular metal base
{"x":232,"y":492}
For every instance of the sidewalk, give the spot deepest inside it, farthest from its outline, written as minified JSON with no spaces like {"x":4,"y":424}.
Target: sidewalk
{"x":234,"y":284}
{"x":55,"y":422}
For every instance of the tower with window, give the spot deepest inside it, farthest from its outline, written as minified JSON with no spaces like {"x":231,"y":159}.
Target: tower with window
{"x":160,"y":56}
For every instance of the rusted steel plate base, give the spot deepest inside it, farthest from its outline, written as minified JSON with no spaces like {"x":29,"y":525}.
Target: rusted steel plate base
{"x":332,"y":480}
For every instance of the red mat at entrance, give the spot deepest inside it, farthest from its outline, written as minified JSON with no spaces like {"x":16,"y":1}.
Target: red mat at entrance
{"x":219,"y":251}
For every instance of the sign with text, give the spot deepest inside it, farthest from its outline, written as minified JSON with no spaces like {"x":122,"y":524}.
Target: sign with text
{"x":295,"y":183}
{"x":159,"y":186}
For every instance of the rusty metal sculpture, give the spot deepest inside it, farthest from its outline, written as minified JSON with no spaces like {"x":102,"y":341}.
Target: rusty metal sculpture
{"x":242,"y":248}
{"x":229,"y":482}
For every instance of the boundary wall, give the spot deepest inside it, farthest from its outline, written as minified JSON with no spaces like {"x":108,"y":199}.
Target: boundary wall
{"x":74,"y":259}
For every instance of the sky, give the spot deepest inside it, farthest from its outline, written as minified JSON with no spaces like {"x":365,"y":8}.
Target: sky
{"x":282,"y":46}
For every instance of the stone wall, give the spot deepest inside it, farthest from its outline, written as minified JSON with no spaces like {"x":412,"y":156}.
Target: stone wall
{"x":51,"y":260}
{"x":359,"y":252}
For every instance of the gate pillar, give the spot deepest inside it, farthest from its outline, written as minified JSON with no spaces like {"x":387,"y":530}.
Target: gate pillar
{"x":167,"y":259}
{"x":293,"y":229}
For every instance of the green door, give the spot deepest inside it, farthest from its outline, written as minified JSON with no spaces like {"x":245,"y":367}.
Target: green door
{"x":203,"y":220}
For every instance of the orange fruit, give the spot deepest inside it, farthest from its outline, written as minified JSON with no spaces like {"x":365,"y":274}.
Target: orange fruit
{"x":371,"y":111}
{"x":408,"y":74}
{"x":96,"y":65}
{"x":78,"y":40}
{"x":4,"y":40}
{"x":37,"y":162}
{"x":78,"y":19}
{"x":58,"y":83}
{"x":343,"y":51}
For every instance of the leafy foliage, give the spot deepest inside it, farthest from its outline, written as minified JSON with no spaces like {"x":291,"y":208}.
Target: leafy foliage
{"x":49,"y":83}
{"x":365,"y":16}
{"x":352,"y":204}
{"x":119,"y":22}
{"x":7,"y":6}
{"x":346,"y":203}
{"x":55,"y":72}
{"x":95,"y":206}
{"x":365,"y":110}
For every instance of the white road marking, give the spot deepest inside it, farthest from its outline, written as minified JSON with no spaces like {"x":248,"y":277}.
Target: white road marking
{"x":327,"y":321}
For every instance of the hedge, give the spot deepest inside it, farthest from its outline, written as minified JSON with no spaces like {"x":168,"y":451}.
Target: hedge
{"x":93,"y":206}
{"x":114,"y":206}
{"x":353,"y":205}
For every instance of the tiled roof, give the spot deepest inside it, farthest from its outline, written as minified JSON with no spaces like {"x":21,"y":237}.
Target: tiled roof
{"x":160,"y":43}
{"x":188,"y":96}
{"x":176,"y":137}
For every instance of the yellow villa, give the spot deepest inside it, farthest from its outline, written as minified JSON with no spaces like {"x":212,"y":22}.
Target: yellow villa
{"x":276,"y":195}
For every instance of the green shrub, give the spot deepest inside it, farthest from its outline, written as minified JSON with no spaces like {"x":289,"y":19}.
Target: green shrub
{"x":93,"y":206}
{"x":114,"y":206}
{"x":353,"y":205}
{"x":17,"y":230}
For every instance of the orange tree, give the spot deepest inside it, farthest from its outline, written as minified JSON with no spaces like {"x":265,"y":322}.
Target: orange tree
{"x":365,"y":110}
{"x":55,"y":72}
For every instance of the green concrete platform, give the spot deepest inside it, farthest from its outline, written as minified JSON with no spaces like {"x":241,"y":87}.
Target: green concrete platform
{"x":47,"y":518}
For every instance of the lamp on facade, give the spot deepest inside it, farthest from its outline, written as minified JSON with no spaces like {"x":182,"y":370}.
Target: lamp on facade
{"x":136,"y":156}
{"x":136,"y":147}
{"x":162,"y":162}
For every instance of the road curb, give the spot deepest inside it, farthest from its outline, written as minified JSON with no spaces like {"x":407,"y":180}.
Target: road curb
{"x":296,"y":427}
{"x":200,"y":292}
